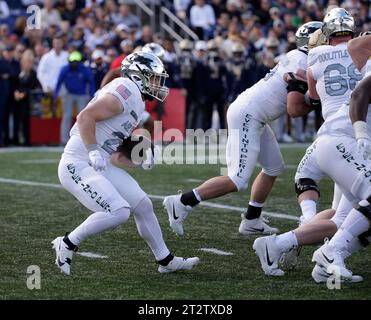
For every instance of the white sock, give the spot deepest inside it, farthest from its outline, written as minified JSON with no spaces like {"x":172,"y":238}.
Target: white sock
{"x":197,"y":195}
{"x":353,"y":246}
{"x":97,"y":223}
{"x":341,"y":239}
{"x":149,"y":228}
{"x":308,"y":208}
{"x":256,"y":204}
{"x":286,"y":241}
{"x":356,"y":223}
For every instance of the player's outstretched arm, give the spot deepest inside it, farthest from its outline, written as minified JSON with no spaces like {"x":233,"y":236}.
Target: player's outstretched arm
{"x":360,"y":50}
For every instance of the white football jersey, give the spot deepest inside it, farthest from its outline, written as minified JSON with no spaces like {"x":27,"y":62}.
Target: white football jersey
{"x":339,"y":123}
{"x":111,"y":132}
{"x":268,"y":97}
{"x":336,"y":75}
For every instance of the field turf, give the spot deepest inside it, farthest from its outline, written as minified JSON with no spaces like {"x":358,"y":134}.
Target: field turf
{"x":33,"y":215}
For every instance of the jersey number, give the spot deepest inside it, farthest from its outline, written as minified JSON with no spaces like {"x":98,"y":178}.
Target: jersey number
{"x":335,"y":83}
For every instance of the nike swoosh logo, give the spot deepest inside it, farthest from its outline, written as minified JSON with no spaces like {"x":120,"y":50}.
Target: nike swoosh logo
{"x":258,"y":230}
{"x":268,"y":260}
{"x":60,"y":263}
{"x":174,"y":215}
{"x":327,"y":259}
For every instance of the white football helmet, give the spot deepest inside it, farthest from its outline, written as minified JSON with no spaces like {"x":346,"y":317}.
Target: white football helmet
{"x":154,"y":48}
{"x":338,"y":22}
{"x":148,"y":72}
{"x":304,"y":32}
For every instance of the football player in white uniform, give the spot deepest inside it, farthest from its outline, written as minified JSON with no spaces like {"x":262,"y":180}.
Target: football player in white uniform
{"x":314,"y":166}
{"x":331,"y":78}
{"x":355,"y":151}
{"x":86,"y":170}
{"x":251,"y":141}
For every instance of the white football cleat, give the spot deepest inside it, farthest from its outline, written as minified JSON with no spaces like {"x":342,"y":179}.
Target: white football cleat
{"x":320,"y":275}
{"x":177,"y":213}
{"x":331,"y":258}
{"x":255,"y":226}
{"x":269,"y":255}
{"x":179,"y":263}
{"x":63,"y":255}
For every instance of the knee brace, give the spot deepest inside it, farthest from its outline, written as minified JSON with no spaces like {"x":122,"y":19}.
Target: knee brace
{"x":365,"y":237}
{"x":305,"y":184}
{"x":364,"y":207}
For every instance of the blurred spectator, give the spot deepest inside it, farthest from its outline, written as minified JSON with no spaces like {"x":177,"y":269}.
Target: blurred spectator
{"x":27,"y":81}
{"x":241,"y":68}
{"x":111,"y":55}
{"x":13,"y":60}
{"x":49,"y":15}
{"x":126,"y":48}
{"x":96,"y":38}
{"x":98,"y":66}
{"x":200,"y":80}
{"x":215,"y":87}
{"x":181,"y":7}
{"x":145,"y":37}
{"x":77,"y":42}
{"x":50,"y":66}
{"x":126,"y":17}
{"x":187,"y":66}
{"x":79,"y":82}
{"x":202,"y":19}
{"x":70,"y":12}
{"x":4,"y":89}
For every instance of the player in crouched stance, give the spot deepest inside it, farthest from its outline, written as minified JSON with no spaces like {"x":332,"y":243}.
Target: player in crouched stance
{"x":87,"y":171}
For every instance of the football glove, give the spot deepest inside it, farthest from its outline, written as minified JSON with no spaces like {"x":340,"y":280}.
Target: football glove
{"x":97,"y":161}
{"x":364,"y":147}
{"x":317,"y":39}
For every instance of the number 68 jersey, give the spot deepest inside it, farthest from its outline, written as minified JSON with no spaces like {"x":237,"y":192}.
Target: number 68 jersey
{"x":111,"y":132}
{"x":336,"y":75}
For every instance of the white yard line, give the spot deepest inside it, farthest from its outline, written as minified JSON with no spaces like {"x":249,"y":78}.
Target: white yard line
{"x":39,"y":161}
{"x":216,"y":251}
{"x":92,"y":255}
{"x":157,"y":197}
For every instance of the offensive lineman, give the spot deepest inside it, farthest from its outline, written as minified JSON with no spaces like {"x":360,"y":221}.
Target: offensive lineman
{"x":355,"y":230}
{"x":86,"y":172}
{"x":251,"y":141}
{"x":326,"y":65}
{"x":314,"y":166}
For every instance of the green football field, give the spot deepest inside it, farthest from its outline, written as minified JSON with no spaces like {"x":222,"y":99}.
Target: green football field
{"x":34,"y":214}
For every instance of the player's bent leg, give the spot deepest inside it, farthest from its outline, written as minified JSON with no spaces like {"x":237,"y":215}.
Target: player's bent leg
{"x":149,"y":229}
{"x":94,"y":224}
{"x":270,"y":158}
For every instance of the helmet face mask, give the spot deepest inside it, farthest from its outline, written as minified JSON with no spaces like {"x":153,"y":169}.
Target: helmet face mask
{"x":338,"y":22}
{"x":148,"y":72}
{"x":304,"y":32}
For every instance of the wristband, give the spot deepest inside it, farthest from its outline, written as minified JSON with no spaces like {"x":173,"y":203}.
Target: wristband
{"x":360,"y":130}
{"x":92,"y":147}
